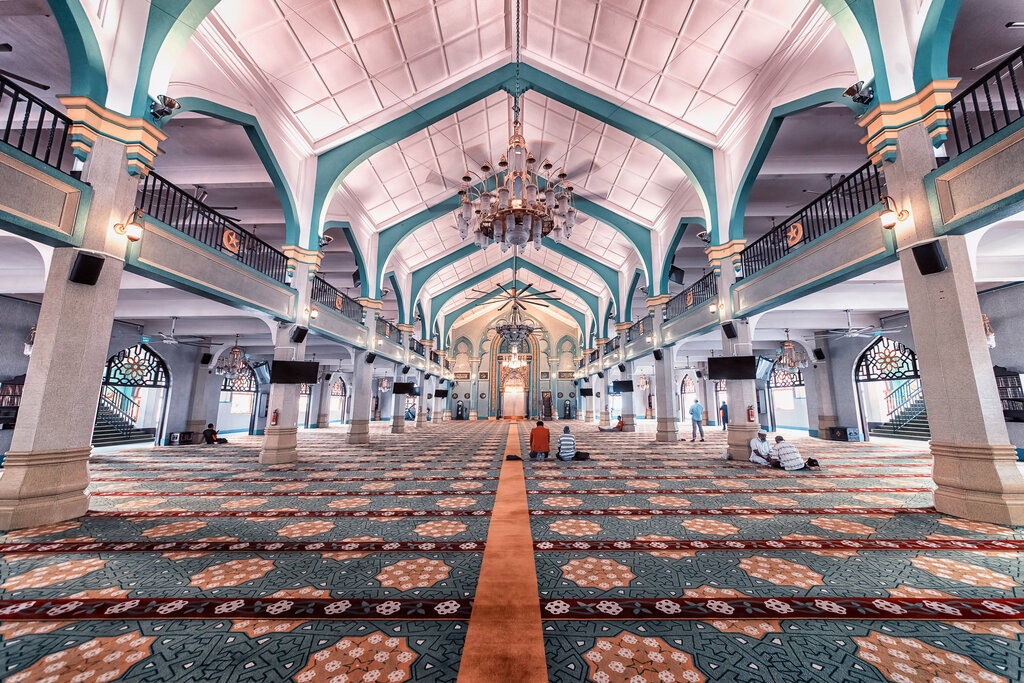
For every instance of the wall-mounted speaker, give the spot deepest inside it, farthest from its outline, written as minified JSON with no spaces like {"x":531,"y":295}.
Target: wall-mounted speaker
{"x":405,"y":369}
{"x":426,"y":376}
{"x":356,"y":280}
{"x":299,"y":334}
{"x":700,"y":375}
{"x":929,"y":257}
{"x":575,"y":382}
{"x":327,"y":376}
{"x":586,"y":379}
{"x":819,"y":354}
{"x":729,"y":329}
{"x":370,"y":357}
{"x":205,"y":358}
{"x":658,"y":355}
{"x":622,"y":367}
{"x":601,"y":375}
{"x":86,"y":268}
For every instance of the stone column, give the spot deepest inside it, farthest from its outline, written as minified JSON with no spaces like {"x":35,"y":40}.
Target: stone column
{"x":45,"y":471}
{"x":323,"y":401}
{"x":975,"y":466}
{"x":474,"y":387}
{"x":421,"y":400}
{"x":280,"y":441}
{"x":604,"y":382}
{"x":359,"y":392}
{"x":446,"y":403}
{"x":398,"y":413}
{"x":665,"y":396}
{"x":591,"y":383}
{"x":628,"y":409}
{"x":205,"y":399}
{"x":824,"y":393}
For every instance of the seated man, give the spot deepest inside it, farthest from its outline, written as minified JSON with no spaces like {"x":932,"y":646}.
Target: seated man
{"x":540,"y":442}
{"x":616,"y":428}
{"x":210,"y":435}
{"x":784,"y":455}
{"x":760,"y":449}
{"x":566,"y":445}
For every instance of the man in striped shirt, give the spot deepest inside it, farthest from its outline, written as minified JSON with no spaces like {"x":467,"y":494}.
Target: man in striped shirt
{"x":566,"y":445}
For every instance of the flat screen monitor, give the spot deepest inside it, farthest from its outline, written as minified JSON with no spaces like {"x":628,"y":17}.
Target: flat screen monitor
{"x":262,"y":372}
{"x":622,"y":386}
{"x":441,"y":393}
{"x":732,"y":367}
{"x":403,"y":388}
{"x":294,"y":372}
{"x":764,"y":367}
{"x":586,"y":391}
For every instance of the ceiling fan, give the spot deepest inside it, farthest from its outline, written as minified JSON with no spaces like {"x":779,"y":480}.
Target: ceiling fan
{"x":518,"y":298}
{"x":7,"y":47}
{"x":867,"y":331}
{"x":185,"y":340}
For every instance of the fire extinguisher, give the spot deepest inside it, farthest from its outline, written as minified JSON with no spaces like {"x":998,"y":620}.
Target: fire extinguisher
{"x":750,"y":414}
{"x":273,"y":417}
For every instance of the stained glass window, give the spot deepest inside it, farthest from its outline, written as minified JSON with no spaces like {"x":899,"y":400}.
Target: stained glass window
{"x":136,"y":366}
{"x":887,"y":360}
{"x":246,"y":381}
{"x":688,"y":387}
{"x":339,"y":388}
{"x":781,"y":378}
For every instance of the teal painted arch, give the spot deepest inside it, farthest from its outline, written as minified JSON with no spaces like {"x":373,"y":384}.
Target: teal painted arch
{"x":451,"y":318}
{"x":398,"y":296}
{"x":261,"y":144}
{"x":169,"y":27}
{"x":438,"y":302}
{"x":420,"y":277}
{"x":931,"y":61}
{"x":677,"y":236}
{"x":626,"y":310}
{"x":88,"y":73}
{"x":364,"y":278}
{"x":604,"y":320}
{"x":858,"y":24}
{"x":764,"y":146}
{"x":423,"y":321}
{"x":573,"y":345}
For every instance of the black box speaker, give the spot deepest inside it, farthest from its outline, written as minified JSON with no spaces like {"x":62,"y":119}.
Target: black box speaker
{"x":205,"y":359}
{"x":586,"y":379}
{"x":299,"y":334}
{"x":86,"y":268}
{"x":622,"y":367}
{"x":370,"y":357}
{"x":426,"y":376}
{"x":658,"y":355}
{"x":405,"y":369}
{"x":819,"y":354}
{"x":700,"y":375}
{"x":601,"y":375}
{"x":729,"y":329}
{"x":327,"y":376}
{"x":929,"y":257}
{"x":356,"y":280}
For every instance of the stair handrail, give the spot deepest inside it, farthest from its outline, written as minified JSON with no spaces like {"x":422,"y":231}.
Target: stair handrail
{"x":904,"y":403}
{"x":118,"y":410}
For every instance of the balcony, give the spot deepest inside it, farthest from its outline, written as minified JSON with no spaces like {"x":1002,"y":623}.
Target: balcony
{"x":697,"y":294}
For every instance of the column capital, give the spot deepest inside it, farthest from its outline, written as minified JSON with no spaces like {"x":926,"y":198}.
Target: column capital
{"x":405,"y":327}
{"x":427,"y":343}
{"x":602,"y":341}
{"x":886,"y":119}
{"x":659,"y":300}
{"x":623,"y":326}
{"x":370,"y":304}
{"x":309,"y":257}
{"x":720,"y":253}
{"x":91,"y":121}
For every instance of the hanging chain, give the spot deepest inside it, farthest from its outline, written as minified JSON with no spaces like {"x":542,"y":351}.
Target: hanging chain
{"x":515,"y":101}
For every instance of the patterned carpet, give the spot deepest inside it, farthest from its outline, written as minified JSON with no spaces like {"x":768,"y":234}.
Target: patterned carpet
{"x":654,"y":563}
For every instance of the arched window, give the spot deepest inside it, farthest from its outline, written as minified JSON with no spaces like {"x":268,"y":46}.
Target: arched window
{"x":245,"y":382}
{"x":339,"y":388}
{"x":781,"y":378}
{"x":688,"y":387}
{"x":136,"y":366}
{"x":305,"y":389}
{"x":887,"y":360}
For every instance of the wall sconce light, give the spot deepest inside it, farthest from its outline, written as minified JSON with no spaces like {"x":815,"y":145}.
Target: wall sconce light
{"x":712,"y":307}
{"x":892,"y":214}
{"x":313,"y":313}
{"x":31,"y":341}
{"x":990,"y":334}
{"x":131,"y":228}
{"x":163,"y":107}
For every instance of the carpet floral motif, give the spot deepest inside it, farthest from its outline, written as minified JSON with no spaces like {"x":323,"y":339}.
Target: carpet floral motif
{"x":408,"y":574}
{"x":593,"y":572}
{"x":632,"y":659}
{"x":98,"y":660}
{"x":375,"y":657}
{"x":908,"y":660}
{"x":233,"y":573}
{"x":780,"y":572}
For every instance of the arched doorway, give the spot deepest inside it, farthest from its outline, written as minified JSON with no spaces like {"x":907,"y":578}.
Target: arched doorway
{"x":687,"y":392}
{"x":889,"y":393}
{"x":339,"y":393}
{"x":513,"y":395}
{"x":133,"y":398}
{"x":515,"y":364}
{"x":305,"y":392}
{"x":787,"y":396}
{"x":237,"y":409}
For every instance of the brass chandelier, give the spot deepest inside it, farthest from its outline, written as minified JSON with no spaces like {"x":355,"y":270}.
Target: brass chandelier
{"x":792,"y":358}
{"x":233,"y":363}
{"x":525,"y":204}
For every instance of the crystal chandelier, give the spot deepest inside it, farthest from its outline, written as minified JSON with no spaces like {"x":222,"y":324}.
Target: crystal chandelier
{"x":231,"y":364}
{"x":515,"y":329}
{"x":642,"y":382}
{"x":384,"y":384}
{"x":791,"y":357}
{"x":525,"y":205}
{"x":515,"y":362}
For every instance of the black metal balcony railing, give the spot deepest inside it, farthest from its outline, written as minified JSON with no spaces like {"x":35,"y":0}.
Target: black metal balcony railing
{"x":325,"y":294}
{"x":697,"y":294}
{"x":594,"y":355}
{"x":416,"y":346}
{"x":35,"y":127}
{"x":988,"y":106}
{"x":852,"y":195}
{"x":389,"y":330}
{"x":435,"y":357}
{"x":448,"y":365}
{"x":612,"y":345}
{"x":640,"y":328}
{"x":166,"y":202}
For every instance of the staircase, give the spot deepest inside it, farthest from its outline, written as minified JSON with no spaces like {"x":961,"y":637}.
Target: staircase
{"x":116,"y":416}
{"x":905,"y":414}
{"x":911,"y":422}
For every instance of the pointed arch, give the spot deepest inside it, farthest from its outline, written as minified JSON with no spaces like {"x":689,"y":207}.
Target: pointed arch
{"x":88,"y":73}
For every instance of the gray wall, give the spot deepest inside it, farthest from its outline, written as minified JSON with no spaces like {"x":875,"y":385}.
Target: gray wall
{"x":1005,"y":310}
